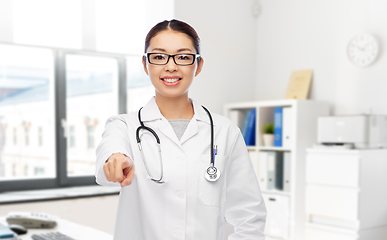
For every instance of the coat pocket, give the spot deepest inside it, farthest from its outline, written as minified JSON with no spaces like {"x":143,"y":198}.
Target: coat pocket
{"x":213,"y":193}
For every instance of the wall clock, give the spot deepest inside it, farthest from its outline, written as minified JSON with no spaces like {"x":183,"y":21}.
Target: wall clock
{"x":363,"y":50}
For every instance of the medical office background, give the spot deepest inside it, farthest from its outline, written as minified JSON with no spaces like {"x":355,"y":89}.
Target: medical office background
{"x":250,"y":48}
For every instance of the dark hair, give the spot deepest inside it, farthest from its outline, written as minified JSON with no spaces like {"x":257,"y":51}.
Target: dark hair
{"x":175,"y":25}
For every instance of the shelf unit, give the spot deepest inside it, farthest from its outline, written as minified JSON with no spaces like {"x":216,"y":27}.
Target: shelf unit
{"x":286,"y":210}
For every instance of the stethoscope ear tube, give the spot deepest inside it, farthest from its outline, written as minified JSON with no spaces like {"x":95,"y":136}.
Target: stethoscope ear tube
{"x":212,"y":137}
{"x":160,"y":180}
{"x":150,"y":130}
{"x":146,"y":128}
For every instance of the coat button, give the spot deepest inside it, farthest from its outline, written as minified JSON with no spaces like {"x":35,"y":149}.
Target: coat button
{"x":180,"y":194}
{"x":178,"y":233}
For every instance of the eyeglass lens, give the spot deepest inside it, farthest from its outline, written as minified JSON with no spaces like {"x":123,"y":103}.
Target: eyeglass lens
{"x":180,"y":59}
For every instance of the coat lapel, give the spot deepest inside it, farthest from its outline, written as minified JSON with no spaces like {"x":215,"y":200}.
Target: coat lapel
{"x":165,"y":127}
{"x":192,"y":130}
{"x":193,"y":127}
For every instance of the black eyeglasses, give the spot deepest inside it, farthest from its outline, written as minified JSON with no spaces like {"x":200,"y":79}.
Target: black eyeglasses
{"x":183,"y":59}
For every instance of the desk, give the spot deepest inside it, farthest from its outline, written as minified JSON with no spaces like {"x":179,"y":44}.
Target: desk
{"x":71,"y":229}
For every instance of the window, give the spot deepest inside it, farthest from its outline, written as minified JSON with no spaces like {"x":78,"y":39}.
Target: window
{"x":90,"y":137}
{"x":71,"y":137}
{"x":27,"y":136}
{"x":139,"y":87}
{"x":54,"y":102}
{"x":2,"y":136}
{"x":15,"y":136}
{"x":91,"y":98}
{"x":40,"y":136}
{"x":26,"y":170}
{"x":39,"y":171}
{"x":27,"y":97}
{"x":41,"y":95}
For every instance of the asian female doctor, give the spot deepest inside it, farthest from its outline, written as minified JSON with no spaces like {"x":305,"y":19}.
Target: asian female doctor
{"x":184,"y":171}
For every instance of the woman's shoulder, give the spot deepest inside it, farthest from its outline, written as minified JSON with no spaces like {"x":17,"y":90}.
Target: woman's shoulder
{"x":126,"y":118}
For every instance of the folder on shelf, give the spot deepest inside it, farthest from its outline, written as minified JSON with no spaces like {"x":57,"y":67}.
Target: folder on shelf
{"x":262,"y":172}
{"x":287,"y":164}
{"x":278,"y":127}
{"x":246,"y":125}
{"x":236,"y":117}
{"x":279,"y":170}
{"x":286,"y":127}
{"x":275,"y":170}
{"x":270,"y":170}
{"x":250,"y":134}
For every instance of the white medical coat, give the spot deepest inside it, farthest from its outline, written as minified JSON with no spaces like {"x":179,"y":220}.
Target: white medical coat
{"x":187,"y":206}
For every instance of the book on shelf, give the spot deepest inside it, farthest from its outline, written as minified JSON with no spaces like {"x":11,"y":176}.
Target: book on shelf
{"x":278,"y":127}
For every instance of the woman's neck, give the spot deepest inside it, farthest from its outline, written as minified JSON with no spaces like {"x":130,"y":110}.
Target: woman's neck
{"x":175,"y":108}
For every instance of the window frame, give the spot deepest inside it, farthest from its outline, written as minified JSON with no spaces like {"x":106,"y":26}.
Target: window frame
{"x":62,"y":180}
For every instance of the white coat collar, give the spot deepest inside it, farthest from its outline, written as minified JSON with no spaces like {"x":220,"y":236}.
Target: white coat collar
{"x":151,"y":112}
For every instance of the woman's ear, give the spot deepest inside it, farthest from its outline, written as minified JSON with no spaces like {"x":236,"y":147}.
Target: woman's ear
{"x":144,"y":64}
{"x":200,"y":66}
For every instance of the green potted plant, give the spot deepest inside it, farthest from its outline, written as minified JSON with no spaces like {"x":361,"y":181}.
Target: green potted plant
{"x":268,"y":134}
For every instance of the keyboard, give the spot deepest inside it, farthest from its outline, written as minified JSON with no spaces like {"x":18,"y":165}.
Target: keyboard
{"x":51,"y":236}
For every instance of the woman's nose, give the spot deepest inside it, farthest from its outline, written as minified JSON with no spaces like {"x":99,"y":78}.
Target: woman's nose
{"x":171,"y":66}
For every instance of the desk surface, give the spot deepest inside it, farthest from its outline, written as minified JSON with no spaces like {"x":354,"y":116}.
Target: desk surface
{"x":56,"y":194}
{"x":71,"y":229}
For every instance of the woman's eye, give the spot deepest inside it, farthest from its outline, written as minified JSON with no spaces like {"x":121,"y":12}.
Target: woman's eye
{"x":185,"y":57}
{"x":158,"y":57}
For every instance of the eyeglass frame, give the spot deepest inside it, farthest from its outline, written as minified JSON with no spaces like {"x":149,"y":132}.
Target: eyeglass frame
{"x":173,"y":57}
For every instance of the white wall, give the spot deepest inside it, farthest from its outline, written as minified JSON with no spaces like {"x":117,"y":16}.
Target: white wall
{"x":313,"y":34}
{"x":228,"y":45}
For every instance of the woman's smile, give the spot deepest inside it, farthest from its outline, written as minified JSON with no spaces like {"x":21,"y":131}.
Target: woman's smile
{"x":171,"y":80}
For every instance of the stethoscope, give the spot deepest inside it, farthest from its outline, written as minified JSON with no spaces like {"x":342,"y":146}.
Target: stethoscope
{"x":212,"y":173}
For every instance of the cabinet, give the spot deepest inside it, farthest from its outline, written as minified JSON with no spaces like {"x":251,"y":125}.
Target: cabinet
{"x":286,"y":207}
{"x":345,"y":194}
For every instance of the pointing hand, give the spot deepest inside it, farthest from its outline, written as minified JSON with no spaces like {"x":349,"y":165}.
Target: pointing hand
{"x":119,"y":168}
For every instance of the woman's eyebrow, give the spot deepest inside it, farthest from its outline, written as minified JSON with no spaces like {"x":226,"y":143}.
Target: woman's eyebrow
{"x":184,"y":49}
{"x":158,"y":49}
{"x":163,"y":50}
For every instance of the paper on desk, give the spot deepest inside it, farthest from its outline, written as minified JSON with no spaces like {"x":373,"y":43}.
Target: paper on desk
{"x":5,"y":231}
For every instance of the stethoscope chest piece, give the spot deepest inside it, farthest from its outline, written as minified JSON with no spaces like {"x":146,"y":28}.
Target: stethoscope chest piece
{"x":212,"y":174}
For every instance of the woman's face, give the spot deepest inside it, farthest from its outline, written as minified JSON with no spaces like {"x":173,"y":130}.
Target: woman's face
{"x":171,"y":80}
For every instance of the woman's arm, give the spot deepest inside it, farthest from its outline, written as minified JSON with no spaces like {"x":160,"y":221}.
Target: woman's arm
{"x":114,"y":140}
{"x":245,"y":208}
